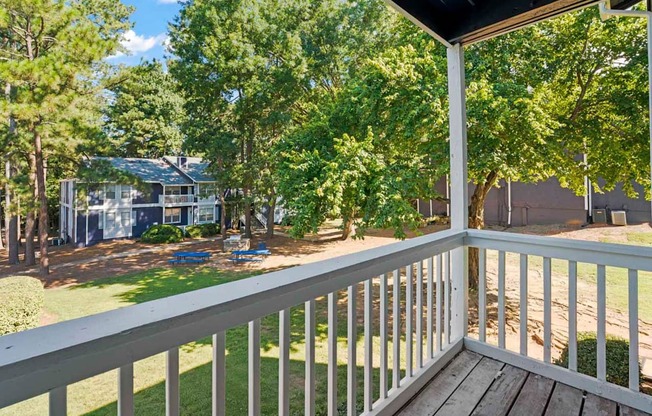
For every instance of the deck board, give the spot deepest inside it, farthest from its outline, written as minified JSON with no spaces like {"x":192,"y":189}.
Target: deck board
{"x":474,"y":385}
{"x":470,"y":392}
{"x":435,"y":394}
{"x":502,"y":393}
{"x":533,"y":397}
{"x":628,"y":411}
{"x":597,"y":406}
{"x":565,"y":401}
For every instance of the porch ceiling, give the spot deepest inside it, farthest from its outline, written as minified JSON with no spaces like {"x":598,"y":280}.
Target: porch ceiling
{"x":468,"y":21}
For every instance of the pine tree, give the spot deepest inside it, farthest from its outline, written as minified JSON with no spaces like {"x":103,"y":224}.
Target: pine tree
{"x":52,"y":54}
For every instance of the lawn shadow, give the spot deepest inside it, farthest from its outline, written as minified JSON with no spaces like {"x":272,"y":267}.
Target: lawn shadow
{"x":196,"y":388}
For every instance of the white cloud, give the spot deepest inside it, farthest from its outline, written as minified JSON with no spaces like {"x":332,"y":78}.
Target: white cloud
{"x":135,"y":44}
{"x":167,"y":1}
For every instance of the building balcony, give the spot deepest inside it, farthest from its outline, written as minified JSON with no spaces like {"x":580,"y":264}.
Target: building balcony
{"x":208,"y":200}
{"x":429,"y":344}
{"x":173,"y":200}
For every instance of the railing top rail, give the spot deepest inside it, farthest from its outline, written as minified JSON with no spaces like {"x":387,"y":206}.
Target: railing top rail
{"x":607,"y":254}
{"x":35,"y":361}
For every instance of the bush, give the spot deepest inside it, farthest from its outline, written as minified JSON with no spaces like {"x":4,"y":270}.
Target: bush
{"x":202,"y":230}
{"x":21,"y":301}
{"x":162,"y":234}
{"x":587,"y":356}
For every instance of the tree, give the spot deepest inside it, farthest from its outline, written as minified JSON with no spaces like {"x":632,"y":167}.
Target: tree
{"x":52,"y":57}
{"x":145,"y":115}
{"x":596,"y":88}
{"x":375,"y":108}
{"x":251,"y":71}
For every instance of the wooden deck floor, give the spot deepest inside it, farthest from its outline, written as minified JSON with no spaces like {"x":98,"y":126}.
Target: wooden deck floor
{"x":475,"y":385}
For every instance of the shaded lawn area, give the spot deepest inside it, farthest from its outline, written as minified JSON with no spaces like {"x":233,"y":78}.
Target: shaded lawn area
{"x":97,"y":396}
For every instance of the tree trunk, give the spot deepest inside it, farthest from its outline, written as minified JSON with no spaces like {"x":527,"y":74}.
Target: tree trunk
{"x":43,"y":221}
{"x":30,"y":218}
{"x":270,"y":217}
{"x":347,"y":227}
{"x":476,"y":221}
{"x":12,"y":234}
{"x":247,"y":213}
{"x":222,"y":216}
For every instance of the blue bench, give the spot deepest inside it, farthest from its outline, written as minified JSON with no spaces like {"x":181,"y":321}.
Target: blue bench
{"x":186,"y":261}
{"x":189,"y":257}
{"x":244,"y":256}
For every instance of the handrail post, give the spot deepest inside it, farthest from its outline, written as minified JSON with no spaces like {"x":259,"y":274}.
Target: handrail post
{"x":459,"y":188}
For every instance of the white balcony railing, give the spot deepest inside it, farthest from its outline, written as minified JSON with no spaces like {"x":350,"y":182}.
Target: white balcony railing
{"x":206,"y":199}
{"x":48,"y":359}
{"x":176,"y":199}
{"x":567,"y":254}
{"x":420,"y":303}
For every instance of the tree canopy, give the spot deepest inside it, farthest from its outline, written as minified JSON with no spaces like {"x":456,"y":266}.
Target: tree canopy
{"x":145,"y":114}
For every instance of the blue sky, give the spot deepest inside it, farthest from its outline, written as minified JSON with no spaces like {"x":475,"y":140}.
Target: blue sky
{"x":146,"y":39}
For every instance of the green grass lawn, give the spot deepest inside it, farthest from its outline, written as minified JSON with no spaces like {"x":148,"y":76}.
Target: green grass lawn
{"x":97,"y":396}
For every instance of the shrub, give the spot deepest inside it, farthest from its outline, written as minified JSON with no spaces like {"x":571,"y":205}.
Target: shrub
{"x":162,"y":234}
{"x":21,"y":301}
{"x":202,"y":230}
{"x":587,"y":353}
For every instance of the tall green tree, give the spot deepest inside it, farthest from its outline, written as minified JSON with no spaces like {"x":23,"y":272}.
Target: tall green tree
{"x":145,"y":113}
{"x":399,"y":144}
{"x":52,"y":57}
{"x":595,"y":86}
{"x":252,"y":70}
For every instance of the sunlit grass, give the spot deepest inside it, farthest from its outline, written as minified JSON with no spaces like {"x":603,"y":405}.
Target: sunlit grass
{"x":97,"y":396}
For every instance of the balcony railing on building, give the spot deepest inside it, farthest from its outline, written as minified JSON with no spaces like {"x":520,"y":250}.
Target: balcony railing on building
{"x":176,"y":199}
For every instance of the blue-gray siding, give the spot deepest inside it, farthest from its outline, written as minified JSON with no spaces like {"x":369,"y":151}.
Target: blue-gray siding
{"x":145,"y":218}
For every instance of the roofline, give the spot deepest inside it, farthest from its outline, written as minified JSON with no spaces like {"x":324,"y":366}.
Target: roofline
{"x":417,"y":22}
{"x":590,"y":3}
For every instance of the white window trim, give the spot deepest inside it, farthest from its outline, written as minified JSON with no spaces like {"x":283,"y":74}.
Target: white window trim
{"x":126,"y":188}
{"x":212,"y":220}
{"x":165,"y":221}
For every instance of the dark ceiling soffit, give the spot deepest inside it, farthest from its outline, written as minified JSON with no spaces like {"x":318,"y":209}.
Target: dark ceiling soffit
{"x":468,"y":24}
{"x":478,"y":28}
{"x":623,"y":4}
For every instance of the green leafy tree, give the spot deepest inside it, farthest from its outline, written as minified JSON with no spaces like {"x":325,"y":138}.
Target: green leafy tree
{"x":52,"y":55}
{"x":400,"y":143}
{"x":145,"y":114}
{"x":595,"y":86}
{"x":252,"y":71}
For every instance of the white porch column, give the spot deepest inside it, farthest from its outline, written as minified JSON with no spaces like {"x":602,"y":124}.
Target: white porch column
{"x":459,"y":198}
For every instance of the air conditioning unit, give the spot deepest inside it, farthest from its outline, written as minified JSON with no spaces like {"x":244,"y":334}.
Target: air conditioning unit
{"x":599,"y":216}
{"x":619,"y":217}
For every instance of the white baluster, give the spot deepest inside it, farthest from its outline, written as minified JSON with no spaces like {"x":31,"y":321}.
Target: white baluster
{"x":352,"y":369}
{"x":219,"y":374}
{"x":254,"y":368}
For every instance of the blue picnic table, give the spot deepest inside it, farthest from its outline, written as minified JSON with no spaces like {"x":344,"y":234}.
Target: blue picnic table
{"x":189,"y":257}
{"x":243,"y":256}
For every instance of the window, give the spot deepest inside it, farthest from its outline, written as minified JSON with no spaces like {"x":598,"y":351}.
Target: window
{"x":173,"y":190}
{"x":110,"y":192}
{"x":110,"y":220}
{"x":208,"y":191}
{"x":134,"y":218}
{"x":100,"y":221}
{"x":125,"y":218}
{"x":172,"y":215}
{"x":206,"y":214}
{"x":125,"y":192}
